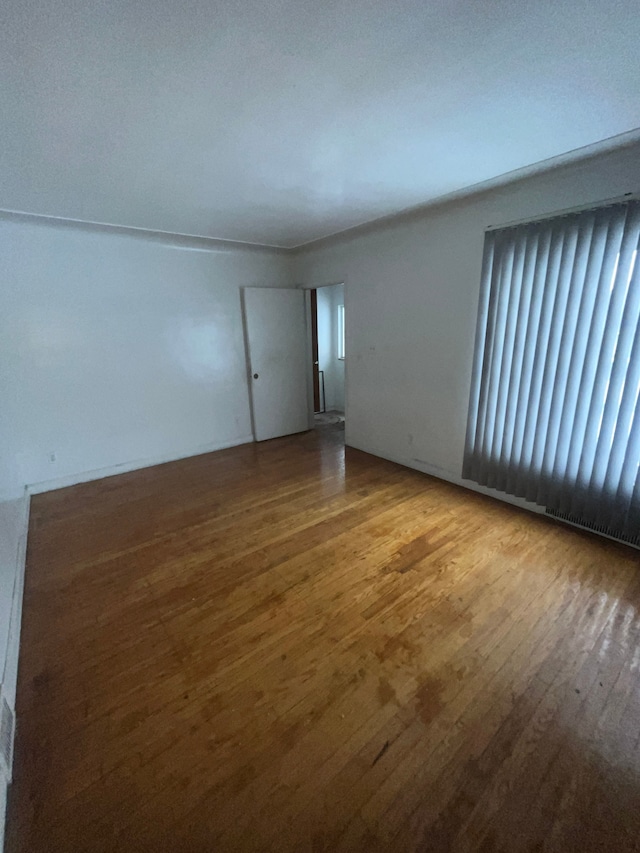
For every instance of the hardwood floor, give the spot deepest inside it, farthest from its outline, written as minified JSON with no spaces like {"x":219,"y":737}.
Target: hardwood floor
{"x":284,"y":647}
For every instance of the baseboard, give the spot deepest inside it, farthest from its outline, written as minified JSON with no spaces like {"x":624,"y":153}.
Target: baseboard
{"x":449,"y":477}
{"x":125,"y":467}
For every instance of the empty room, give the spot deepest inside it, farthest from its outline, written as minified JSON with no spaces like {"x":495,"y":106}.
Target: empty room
{"x":319,"y":426}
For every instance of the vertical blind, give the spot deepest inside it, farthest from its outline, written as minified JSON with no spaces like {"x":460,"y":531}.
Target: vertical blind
{"x":553,"y":412}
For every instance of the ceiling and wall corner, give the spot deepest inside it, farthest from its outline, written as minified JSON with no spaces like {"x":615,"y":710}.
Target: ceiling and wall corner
{"x":281,"y":123}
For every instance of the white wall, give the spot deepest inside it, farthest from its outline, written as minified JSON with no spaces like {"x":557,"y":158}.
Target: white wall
{"x":329,"y":298}
{"x":116,"y":350}
{"x":411,"y":293}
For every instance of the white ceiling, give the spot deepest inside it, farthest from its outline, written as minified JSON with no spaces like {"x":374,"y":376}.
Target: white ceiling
{"x":282,"y":121}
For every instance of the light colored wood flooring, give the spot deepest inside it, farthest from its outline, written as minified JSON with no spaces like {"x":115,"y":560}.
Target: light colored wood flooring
{"x":286,"y":647}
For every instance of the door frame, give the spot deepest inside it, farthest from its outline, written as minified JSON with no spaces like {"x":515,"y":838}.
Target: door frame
{"x":314,"y":349}
{"x":308,"y":287}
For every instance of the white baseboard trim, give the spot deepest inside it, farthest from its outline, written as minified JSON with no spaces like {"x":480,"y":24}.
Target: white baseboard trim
{"x":125,"y":467}
{"x":447,"y":476}
{"x":442,"y":474}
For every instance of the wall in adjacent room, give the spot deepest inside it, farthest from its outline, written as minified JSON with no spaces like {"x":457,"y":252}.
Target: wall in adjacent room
{"x":411,"y":294}
{"x":329,"y":298}
{"x":119,"y":351}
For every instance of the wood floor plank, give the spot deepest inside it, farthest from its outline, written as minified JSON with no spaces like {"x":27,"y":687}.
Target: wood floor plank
{"x":294,"y":647}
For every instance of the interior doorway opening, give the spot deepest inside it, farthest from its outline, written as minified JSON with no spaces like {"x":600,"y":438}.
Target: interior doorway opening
{"x":328,"y":356}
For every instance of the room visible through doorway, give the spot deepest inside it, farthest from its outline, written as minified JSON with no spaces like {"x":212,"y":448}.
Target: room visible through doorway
{"x":328,"y":341}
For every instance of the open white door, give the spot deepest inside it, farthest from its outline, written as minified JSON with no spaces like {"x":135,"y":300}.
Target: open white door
{"x":275,"y":326}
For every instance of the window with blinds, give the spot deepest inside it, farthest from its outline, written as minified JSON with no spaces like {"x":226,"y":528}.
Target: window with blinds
{"x":553,"y":413}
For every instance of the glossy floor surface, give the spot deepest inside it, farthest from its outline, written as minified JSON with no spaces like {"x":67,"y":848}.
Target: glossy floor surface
{"x":287,"y":647}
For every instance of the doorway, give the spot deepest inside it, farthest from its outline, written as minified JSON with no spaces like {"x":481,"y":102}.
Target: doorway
{"x":328,"y":356}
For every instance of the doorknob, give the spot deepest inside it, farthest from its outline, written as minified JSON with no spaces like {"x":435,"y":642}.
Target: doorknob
{"x":255,"y":375}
